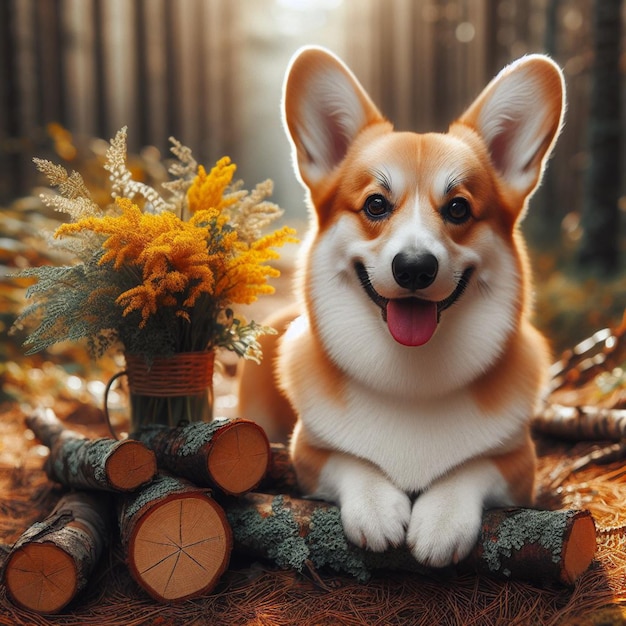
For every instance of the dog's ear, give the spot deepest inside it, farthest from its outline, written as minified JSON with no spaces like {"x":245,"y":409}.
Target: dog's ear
{"x":519,"y":116}
{"x":324,"y":108}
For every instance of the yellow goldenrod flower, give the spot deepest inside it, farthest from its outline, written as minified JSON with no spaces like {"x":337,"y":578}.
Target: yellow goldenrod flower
{"x":207,"y":190}
{"x":180,"y":260}
{"x":245,"y":276}
{"x":152,"y":279}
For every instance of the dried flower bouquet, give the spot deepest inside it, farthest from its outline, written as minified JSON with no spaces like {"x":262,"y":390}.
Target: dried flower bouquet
{"x":156,"y":274}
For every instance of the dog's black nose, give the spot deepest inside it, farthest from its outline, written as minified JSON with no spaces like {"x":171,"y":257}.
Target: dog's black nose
{"x":414,"y":272}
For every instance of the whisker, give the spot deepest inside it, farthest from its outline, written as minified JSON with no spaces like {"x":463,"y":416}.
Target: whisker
{"x":484,"y":288}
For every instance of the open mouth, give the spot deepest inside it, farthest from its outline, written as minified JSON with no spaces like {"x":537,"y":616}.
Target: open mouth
{"x":411,"y":321}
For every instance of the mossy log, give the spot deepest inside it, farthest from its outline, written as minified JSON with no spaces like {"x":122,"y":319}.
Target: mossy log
{"x":176,"y":539}
{"x":51,"y":562}
{"x":82,"y":463}
{"x":543,"y":547}
{"x":535,"y":545}
{"x":231,"y":455}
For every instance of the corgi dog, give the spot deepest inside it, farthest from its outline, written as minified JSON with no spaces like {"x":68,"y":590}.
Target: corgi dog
{"x":409,"y":369}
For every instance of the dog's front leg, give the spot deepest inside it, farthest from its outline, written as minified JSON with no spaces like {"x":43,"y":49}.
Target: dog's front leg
{"x":446,"y":519}
{"x":374,"y":512}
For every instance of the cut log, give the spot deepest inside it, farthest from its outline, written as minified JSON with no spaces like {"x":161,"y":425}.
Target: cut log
{"x":538,"y":546}
{"x":231,"y":455}
{"x":281,"y":475}
{"x":523,"y":544}
{"x":581,"y":423}
{"x":51,"y":562}
{"x":175,"y":537}
{"x":82,"y":463}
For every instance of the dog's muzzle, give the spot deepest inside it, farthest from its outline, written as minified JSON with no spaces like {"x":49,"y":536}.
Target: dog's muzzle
{"x":412,"y":321}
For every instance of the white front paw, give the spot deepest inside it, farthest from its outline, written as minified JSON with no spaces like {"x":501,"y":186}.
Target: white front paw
{"x":443,"y":528}
{"x":376,"y":516}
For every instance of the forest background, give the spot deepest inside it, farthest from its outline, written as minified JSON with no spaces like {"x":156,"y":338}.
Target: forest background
{"x":209,"y":72}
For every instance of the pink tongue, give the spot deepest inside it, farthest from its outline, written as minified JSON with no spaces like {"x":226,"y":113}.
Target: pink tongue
{"x":412,"y":322}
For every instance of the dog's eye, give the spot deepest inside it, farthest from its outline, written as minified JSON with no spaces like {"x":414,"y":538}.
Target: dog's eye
{"x":457,"y":211}
{"x":377,"y":206}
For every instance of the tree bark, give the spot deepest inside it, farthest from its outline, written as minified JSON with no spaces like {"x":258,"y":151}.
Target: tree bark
{"x":103,"y":464}
{"x":51,"y":562}
{"x":542,"y":547}
{"x":581,"y":423}
{"x":231,"y":455}
{"x":175,"y":537}
{"x":600,"y":216}
{"x":281,"y":475}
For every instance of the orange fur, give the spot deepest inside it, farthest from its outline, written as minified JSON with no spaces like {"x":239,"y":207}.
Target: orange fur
{"x":316,"y":366}
{"x":511,"y":374}
{"x":260,"y":398}
{"x":308,"y":460}
{"x":518,"y":469}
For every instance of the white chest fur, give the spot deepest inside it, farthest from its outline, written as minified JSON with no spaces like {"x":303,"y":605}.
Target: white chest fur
{"x":413,"y":441}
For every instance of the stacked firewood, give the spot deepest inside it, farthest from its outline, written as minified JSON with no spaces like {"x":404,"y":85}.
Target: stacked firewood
{"x":176,"y":538}
{"x":185,"y":497}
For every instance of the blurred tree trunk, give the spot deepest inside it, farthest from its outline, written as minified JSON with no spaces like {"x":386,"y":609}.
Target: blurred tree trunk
{"x":543,"y":223}
{"x":599,"y":248}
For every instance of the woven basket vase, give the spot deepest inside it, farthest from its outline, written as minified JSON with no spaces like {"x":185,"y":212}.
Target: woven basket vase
{"x":171,"y":390}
